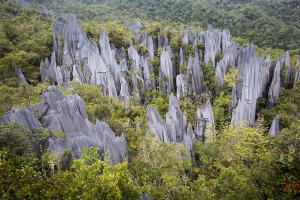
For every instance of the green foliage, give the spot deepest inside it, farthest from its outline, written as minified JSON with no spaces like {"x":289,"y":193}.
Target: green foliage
{"x":265,"y":23}
{"x":162,"y":105}
{"x":201,"y":46}
{"x":159,"y":170}
{"x":231,"y":79}
{"x":183,"y":67}
{"x":221,"y":110}
{"x":59,"y":134}
{"x":119,"y":36}
{"x":25,"y":40}
{"x":237,"y":163}
{"x":287,"y":106}
{"x":18,"y":97}
{"x":210,"y":78}
{"x":218,"y":57}
{"x":187,"y":104}
{"x":90,"y":155}
{"x":15,"y":137}
{"x":188,"y":50}
{"x":16,"y":175}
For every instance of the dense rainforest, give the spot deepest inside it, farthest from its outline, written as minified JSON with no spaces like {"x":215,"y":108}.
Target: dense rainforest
{"x":146,"y":100}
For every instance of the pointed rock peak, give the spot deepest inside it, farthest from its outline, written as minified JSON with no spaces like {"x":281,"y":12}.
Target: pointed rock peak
{"x":173,"y":103}
{"x":274,"y":129}
{"x":268,"y":59}
{"x":210,"y":28}
{"x":206,"y":113}
{"x":287,"y":59}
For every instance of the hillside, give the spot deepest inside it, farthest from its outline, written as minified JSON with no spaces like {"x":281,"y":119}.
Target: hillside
{"x":152,"y":109}
{"x":271,"y":24}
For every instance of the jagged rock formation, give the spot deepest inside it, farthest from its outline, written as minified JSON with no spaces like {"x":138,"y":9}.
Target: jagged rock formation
{"x":275,"y":85}
{"x":174,"y":129}
{"x":166,"y":72}
{"x":274,"y":129}
{"x":205,"y":120}
{"x":288,"y":71}
{"x":297,"y":76}
{"x":212,"y":43}
{"x":20,"y":76}
{"x":230,"y":53}
{"x":255,"y":76}
{"x":68,"y":114}
{"x":76,"y":57}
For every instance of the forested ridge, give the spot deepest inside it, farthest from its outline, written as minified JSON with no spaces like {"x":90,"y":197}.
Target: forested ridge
{"x":270,"y":24}
{"x":108,"y":107}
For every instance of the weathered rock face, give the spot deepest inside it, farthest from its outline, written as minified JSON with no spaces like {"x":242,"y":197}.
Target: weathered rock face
{"x":24,"y":116}
{"x":287,"y":82}
{"x":166,"y":72}
{"x":274,"y":129}
{"x":255,"y":76}
{"x":68,"y":114}
{"x":76,"y":57}
{"x":20,"y":76}
{"x":175,"y":120}
{"x":275,"y":85}
{"x":196,"y":74}
{"x":156,"y":124}
{"x":297,"y":75}
{"x":230,"y":53}
{"x":174,"y":129}
{"x":212,"y":44}
{"x":205,"y":120}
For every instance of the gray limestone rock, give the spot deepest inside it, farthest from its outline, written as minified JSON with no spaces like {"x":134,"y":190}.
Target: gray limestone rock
{"x":134,"y":57}
{"x":197,"y":77}
{"x":288,"y":71}
{"x":274,"y":129}
{"x":255,"y":76}
{"x":166,"y":82}
{"x":24,"y":116}
{"x":182,"y":86}
{"x":138,"y":25}
{"x":174,"y":129}
{"x":230,"y":53}
{"x":148,"y":73}
{"x":51,"y":73}
{"x":124,"y":92}
{"x":163,"y":40}
{"x":297,"y":75}
{"x":205,"y":121}
{"x":145,"y":197}
{"x":150,"y":47}
{"x":275,"y":85}
{"x":108,"y":56}
{"x":175,"y":120}
{"x":157,"y":124}
{"x":80,"y":58}
{"x":188,"y":139}
{"x":20,"y":76}
{"x":212,"y":45}
{"x":68,"y":114}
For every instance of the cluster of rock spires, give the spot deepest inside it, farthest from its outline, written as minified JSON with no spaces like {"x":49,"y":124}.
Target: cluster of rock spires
{"x":77,"y":57}
{"x":68,"y":114}
{"x":174,"y":129}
